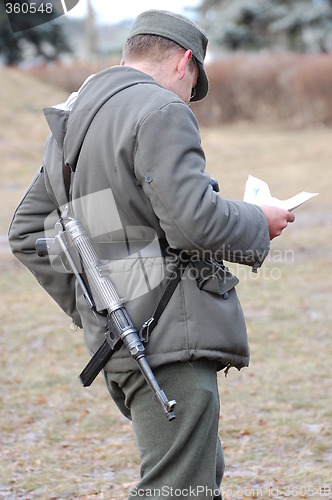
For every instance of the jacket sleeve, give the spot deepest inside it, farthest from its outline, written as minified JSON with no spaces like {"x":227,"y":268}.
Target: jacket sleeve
{"x":170,"y":166}
{"x":27,"y":225}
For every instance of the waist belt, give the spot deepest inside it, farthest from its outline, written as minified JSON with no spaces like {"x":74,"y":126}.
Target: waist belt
{"x":115,"y":250}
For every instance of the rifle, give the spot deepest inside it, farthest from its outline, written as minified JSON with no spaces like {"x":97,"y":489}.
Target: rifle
{"x":98,"y":289}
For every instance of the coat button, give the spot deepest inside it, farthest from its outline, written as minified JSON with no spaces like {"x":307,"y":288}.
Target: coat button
{"x":225,"y":296}
{"x":148,"y":179}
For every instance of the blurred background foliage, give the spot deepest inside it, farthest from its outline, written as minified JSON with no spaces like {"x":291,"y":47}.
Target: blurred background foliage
{"x":299,"y":25}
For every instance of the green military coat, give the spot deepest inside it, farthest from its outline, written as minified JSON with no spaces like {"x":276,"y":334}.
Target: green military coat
{"x":139,"y":179}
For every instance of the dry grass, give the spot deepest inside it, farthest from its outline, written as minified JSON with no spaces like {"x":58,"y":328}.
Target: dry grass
{"x":288,"y":88}
{"x":59,"y":440}
{"x":69,"y":76}
{"x":293,"y":89}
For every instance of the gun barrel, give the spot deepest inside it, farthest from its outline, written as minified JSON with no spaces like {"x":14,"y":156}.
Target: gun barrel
{"x":160,"y":396}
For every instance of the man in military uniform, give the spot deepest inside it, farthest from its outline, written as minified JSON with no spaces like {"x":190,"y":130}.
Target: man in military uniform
{"x":138,"y":176}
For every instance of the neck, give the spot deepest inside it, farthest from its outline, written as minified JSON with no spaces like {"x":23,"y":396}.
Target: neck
{"x":153,"y":70}
{"x":164,"y":72}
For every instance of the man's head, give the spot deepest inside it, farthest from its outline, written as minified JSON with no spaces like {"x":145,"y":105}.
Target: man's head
{"x":167,"y":41}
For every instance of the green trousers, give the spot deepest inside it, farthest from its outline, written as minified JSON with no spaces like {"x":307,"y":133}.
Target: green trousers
{"x":182,"y":458}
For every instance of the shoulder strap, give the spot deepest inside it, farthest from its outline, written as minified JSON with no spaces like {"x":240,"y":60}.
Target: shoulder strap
{"x":173,"y":282}
{"x":66,"y":173}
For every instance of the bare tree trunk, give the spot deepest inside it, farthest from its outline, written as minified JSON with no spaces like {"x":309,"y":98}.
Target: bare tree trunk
{"x":91,"y":35}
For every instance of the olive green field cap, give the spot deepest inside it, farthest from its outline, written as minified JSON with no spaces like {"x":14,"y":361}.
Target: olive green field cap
{"x":180,"y":30}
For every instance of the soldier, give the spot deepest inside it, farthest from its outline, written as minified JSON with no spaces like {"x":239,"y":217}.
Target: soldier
{"x":138,"y":176}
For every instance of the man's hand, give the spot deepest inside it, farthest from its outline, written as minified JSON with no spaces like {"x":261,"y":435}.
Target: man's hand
{"x":277,"y":219}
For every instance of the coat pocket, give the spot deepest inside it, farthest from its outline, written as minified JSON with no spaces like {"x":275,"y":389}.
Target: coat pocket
{"x":213,"y":277}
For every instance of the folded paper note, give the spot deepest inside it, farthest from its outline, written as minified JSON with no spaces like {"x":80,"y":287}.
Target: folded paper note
{"x":258,"y":193}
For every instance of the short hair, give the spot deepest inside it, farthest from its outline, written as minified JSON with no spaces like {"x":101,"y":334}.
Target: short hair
{"x":154,"y":47}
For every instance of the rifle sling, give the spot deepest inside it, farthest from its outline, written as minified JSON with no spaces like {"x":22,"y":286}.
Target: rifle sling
{"x":105,"y":351}
{"x":66,"y":174}
{"x":173,"y":282}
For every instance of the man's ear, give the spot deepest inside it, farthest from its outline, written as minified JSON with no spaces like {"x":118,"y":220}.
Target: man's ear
{"x":183,"y":63}
{"x":122,"y":62}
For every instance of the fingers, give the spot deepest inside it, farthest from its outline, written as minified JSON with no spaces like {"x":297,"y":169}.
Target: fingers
{"x":290,"y":217}
{"x":277,"y":219}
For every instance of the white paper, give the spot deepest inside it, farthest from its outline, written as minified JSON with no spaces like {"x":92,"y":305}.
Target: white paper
{"x":258,"y":193}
